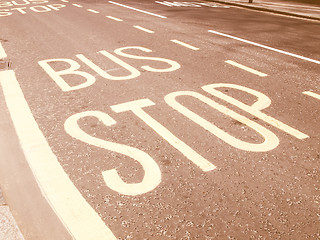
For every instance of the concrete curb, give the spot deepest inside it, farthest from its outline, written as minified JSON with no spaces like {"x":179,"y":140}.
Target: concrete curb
{"x":266,"y":10}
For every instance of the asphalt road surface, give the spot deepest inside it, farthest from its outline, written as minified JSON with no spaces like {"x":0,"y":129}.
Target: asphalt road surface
{"x":152,"y":120}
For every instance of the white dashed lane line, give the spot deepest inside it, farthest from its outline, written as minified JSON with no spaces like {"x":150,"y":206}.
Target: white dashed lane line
{"x":312,"y":94}
{"x":93,"y":11}
{"x":138,"y":10}
{"x":114,"y":18}
{"x":77,"y":5}
{"x":185,"y":44}
{"x":64,"y":1}
{"x":266,"y":47}
{"x":144,"y":29}
{"x":246,"y":68}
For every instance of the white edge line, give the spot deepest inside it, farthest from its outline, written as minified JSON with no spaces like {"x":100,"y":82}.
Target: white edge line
{"x":2,"y":52}
{"x":248,"y":69}
{"x":143,"y":29}
{"x":266,"y":47}
{"x":91,"y":10}
{"x":312,"y":94}
{"x":114,"y":18}
{"x":76,"y":214}
{"x":138,"y":10}
{"x":185,"y":44}
{"x":77,"y":5}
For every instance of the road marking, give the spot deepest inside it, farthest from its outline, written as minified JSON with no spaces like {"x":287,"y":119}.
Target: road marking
{"x":178,"y":4}
{"x":190,"y":4}
{"x":144,"y":29}
{"x":75,"y":213}
{"x":64,"y":1}
{"x":114,"y":18}
{"x":254,"y":109}
{"x":170,"y":4}
{"x":94,"y":11}
{"x":36,"y":9}
{"x":137,"y":108}
{"x":77,"y":5}
{"x":138,"y":10}
{"x":2,"y":52}
{"x":266,"y":47}
{"x":184,"y":44}
{"x":152,"y":173}
{"x":173,"y":64}
{"x":73,"y":70}
{"x":133,"y":72}
{"x":246,"y":68}
{"x":312,"y":94}
{"x":270,"y":142}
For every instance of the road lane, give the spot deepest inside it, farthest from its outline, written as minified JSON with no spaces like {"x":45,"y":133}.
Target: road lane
{"x":247,"y":187}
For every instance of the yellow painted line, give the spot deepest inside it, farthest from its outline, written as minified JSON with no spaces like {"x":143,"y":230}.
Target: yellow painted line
{"x":312,"y":94}
{"x":78,"y":217}
{"x":144,"y":29}
{"x":114,"y":18}
{"x":185,"y":44}
{"x":94,"y":11}
{"x":77,"y":5}
{"x":246,"y":68}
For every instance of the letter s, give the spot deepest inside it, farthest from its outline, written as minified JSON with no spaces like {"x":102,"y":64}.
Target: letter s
{"x":173,"y":65}
{"x":152,"y":176}
{"x":5,"y":12}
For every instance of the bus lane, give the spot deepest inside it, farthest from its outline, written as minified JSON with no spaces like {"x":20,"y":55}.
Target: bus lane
{"x":161,"y":150}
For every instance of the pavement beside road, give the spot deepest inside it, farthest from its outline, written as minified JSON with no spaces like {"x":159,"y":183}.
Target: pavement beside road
{"x":300,"y":9}
{"x":9,"y":229}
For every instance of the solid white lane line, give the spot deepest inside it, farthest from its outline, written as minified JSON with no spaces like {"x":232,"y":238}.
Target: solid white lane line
{"x":246,"y":68}
{"x":94,"y":11}
{"x":138,"y":10}
{"x":77,"y":5}
{"x":312,"y":94}
{"x":184,"y":44}
{"x":144,"y":29}
{"x":114,"y":18}
{"x":75,"y":213}
{"x":266,"y":47}
{"x":2,"y":52}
